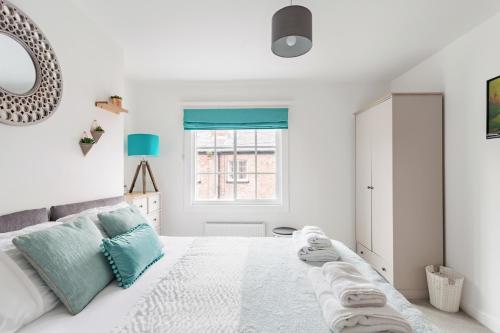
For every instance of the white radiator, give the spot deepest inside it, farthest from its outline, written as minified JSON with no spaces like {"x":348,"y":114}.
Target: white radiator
{"x":245,"y":229}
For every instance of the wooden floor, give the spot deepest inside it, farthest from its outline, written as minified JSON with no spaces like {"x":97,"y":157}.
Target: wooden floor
{"x":450,"y":322}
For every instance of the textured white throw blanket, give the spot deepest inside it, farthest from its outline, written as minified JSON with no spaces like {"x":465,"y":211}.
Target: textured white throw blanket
{"x":230,"y":284}
{"x":245,"y":285}
{"x":351,"y":288}
{"x":200,"y":294}
{"x":306,"y":252}
{"x":354,"y":320}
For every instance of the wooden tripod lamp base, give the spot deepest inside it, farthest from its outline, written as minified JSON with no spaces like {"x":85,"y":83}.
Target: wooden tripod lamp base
{"x":144,"y":165}
{"x":143,"y":145}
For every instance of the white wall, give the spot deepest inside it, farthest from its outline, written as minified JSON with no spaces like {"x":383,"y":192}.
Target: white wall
{"x":42,"y":165}
{"x":321,"y":150}
{"x":472,"y":163}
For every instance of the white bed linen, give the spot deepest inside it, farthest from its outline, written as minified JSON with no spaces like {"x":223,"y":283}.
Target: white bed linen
{"x":24,"y":296}
{"x":110,"y":306}
{"x":270,"y":300}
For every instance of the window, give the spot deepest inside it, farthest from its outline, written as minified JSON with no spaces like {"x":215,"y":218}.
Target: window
{"x":241,"y":172}
{"x":251,"y":157}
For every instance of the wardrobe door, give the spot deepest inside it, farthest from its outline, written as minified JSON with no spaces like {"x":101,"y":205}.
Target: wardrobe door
{"x":363,"y":180}
{"x":382,"y":192}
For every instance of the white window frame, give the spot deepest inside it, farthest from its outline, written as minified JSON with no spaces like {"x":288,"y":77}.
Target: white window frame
{"x":230,"y":171}
{"x":278,"y":201}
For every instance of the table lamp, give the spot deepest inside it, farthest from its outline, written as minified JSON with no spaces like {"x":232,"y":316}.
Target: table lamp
{"x":143,"y":145}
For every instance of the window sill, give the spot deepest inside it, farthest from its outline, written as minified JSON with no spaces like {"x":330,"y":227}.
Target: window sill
{"x":236,"y":208}
{"x":260,"y":203}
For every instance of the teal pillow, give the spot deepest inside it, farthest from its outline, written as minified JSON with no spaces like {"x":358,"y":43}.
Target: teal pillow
{"x":69,"y":260}
{"x":132,"y":253}
{"x":121,"y":220}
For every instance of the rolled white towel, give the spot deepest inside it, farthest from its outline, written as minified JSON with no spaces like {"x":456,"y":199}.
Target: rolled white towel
{"x":306,"y":252}
{"x":354,"y":320}
{"x":351,"y":287}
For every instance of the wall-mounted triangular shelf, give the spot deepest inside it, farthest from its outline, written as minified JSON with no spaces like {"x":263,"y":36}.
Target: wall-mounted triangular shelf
{"x":108,"y":106}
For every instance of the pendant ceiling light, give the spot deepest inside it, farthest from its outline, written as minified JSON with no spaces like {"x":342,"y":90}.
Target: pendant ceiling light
{"x":292,"y":31}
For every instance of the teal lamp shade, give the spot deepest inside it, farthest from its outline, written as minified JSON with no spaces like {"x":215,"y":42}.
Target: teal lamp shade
{"x":143,"y":145}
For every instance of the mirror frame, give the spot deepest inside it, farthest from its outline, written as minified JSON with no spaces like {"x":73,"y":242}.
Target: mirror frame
{"x":42,"y":100}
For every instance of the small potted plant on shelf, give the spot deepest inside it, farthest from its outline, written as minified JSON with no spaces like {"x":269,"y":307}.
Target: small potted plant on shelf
{"x":96,"y":130}
{"x":116,"y":100}
{"x":86,"y":143}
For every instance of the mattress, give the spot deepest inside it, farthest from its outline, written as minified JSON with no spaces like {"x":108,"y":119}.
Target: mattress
{"x":212,"y":284}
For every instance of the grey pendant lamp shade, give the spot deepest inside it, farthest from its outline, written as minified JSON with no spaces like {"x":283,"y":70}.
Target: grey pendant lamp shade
{"x":292,"y":31}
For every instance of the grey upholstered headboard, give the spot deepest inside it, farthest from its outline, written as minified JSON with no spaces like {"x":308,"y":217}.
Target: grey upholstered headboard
{"x":23,"y":219}
{"x":56,"y":212}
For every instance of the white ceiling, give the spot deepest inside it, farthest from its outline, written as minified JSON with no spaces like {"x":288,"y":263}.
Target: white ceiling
{"x":353,"y":40}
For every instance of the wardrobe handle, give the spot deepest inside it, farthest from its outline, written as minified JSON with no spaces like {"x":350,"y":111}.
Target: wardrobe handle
{"x":370,"y":187}
{"x":383,"y":268}
{"x":362,"y":252}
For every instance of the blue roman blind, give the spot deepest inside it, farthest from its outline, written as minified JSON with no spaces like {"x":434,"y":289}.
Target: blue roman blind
{"x":244,"y":118}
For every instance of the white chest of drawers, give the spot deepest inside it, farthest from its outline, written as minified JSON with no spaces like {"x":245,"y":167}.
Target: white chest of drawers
{"x":150,"y":204}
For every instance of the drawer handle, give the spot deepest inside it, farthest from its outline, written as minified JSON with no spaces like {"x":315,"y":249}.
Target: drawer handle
{"x":383,"y":268}
{"x":154,"y":201}
{"x":154,"y":220}
{"x":140,"y":206}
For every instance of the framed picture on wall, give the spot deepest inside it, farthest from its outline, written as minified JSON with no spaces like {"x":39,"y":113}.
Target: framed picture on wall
{"x":493,"y":109}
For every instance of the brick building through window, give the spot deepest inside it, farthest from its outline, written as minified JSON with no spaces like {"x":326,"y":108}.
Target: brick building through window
{"x":255,"y":154}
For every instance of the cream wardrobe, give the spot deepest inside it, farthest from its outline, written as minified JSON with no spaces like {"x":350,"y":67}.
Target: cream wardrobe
{"x":399,"y":188}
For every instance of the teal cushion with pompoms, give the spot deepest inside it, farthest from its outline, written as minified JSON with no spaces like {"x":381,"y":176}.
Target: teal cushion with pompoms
{"x":132,"y":253}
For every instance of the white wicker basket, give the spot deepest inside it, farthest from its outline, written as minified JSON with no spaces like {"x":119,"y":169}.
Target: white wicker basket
{"x":445,"y":287}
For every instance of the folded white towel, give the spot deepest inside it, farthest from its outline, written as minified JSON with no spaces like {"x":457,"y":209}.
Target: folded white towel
{"x":306,"y":252}
{"x":312,"y":228}
{"x":316,"y":237}
{"x":350,"y":287}
{"x":354,"y":320}
{"x":317,"y":240}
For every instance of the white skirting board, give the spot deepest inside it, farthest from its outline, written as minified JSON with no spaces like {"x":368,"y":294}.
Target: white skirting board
{"x":244,"y":229}
{"x":488,"y":320}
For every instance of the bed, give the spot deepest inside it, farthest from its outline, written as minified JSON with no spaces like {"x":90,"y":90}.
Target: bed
{"x":217,"y":284}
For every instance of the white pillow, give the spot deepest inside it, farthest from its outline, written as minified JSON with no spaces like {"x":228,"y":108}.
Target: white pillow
{"x":25,"y":296}
{"x":92,"y":214}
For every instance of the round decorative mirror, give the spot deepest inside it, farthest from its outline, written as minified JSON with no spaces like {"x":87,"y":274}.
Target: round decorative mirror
{"x":30,"y":76}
